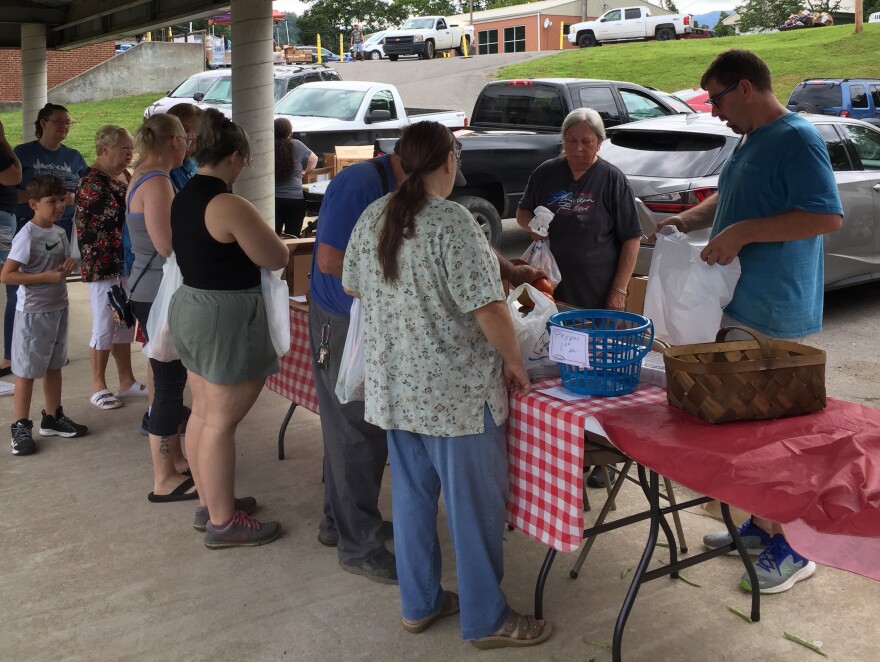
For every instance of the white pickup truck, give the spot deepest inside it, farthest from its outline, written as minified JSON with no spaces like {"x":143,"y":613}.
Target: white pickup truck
{"x":629,"y":23}
{"x":425,"y":36}
{"x":333,"y":113}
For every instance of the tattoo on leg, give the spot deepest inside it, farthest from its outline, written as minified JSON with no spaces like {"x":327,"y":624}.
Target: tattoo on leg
{"x":165,"y":446}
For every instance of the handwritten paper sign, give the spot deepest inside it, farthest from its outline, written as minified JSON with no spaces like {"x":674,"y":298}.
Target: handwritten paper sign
{"x":569,"y":347}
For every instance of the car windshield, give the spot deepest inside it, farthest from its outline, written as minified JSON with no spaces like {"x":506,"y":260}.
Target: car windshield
{"x":677,"y":104}
{"x":677,"y":155}
{"x":321,"y":102}
{"x":418,"y":24}
{"x":220,"y":91}
{"x":187,"y":88}
{"x":824,"y":95}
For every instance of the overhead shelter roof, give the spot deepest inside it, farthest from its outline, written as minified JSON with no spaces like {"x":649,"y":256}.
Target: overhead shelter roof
{"x":560,"y":7}
{"x":73,"y":23}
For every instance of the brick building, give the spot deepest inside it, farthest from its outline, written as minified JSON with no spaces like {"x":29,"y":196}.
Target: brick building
{"x":62,"y":66}
{"x":535,"y":26}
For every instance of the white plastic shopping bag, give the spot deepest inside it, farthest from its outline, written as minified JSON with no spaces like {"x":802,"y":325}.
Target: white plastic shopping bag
{"x":538,"y":255}
{"x":161,"y":345}
{"x":531,"y":331}
{"x":276,"y":297}
{"x":540,"y":224}
{"x":686,"y":297}
{"x":350,"y":382}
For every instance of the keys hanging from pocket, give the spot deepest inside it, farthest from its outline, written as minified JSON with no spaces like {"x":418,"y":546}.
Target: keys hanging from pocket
{"x":324,"y":348}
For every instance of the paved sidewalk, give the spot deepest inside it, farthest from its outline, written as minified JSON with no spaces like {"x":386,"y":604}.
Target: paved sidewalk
{"x":90,"y":570}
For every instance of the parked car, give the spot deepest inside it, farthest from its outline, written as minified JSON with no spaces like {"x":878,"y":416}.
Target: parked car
{"x":516,"y":126}
{"x":847,"y":97}
{"x":629,"y":24}
{"x":325,"y":115}
{"x":185,"y":92}
{"x":287,"y":78}
{"x":326,"y":55}
{"x":699,"y":33}
{"x":373,"y":46}
{"x":672,"y":163}
{"x":697,"y":98}
{"x":426,"y":36}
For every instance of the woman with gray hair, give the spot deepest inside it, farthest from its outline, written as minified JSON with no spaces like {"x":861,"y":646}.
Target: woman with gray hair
{"x":595,"y":232}
{"x":99,"y":218}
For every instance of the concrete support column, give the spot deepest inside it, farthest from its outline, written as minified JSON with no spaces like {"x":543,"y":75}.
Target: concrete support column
{"x":34,"y":77}
{"x":253,"y":99}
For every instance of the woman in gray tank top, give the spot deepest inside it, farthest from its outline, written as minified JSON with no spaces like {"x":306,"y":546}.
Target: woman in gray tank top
{"x":161,"y":143}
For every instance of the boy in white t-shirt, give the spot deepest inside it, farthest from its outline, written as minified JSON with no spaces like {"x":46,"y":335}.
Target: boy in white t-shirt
{"x":39,"y":263}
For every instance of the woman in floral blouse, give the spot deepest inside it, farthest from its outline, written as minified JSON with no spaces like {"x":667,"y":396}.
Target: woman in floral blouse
{"x":439,"y":346}
{"x":99,"y":218}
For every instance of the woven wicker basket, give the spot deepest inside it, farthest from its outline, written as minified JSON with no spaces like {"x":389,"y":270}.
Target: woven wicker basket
{"x":745,"y":379}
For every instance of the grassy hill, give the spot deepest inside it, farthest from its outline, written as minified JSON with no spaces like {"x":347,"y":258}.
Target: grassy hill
{"x":674,"y":65}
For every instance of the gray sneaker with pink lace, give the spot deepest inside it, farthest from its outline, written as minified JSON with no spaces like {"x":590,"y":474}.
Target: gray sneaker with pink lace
{"x":241,"y":531}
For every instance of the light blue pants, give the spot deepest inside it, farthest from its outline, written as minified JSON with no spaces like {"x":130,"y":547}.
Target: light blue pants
{"x":472,"y":472}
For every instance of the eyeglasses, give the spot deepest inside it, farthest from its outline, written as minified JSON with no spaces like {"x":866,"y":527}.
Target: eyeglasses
{"x":713,"y":101}
{"x":457,"y":154}
{"x":61,"y":122}
{"x":187,"y":141}
{"x":246,"y":160}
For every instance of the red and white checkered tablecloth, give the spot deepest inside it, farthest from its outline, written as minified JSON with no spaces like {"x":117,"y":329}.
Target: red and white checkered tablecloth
{"x":545,"y":447}
{"x":296,"y":381}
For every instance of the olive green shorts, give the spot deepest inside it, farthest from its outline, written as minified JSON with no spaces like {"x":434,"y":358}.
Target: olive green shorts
{"x":222,"y":335}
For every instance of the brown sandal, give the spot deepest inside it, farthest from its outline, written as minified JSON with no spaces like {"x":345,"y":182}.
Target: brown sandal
{"x":450,"y":607}
{"x":519,"y":630}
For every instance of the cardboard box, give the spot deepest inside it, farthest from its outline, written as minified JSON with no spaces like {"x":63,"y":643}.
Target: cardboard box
{"x":349,"y":154}
{"x":328,"y":160}
{"x":291,"y":54}
{"x":299,"y":267}
{"x":319,"y":175}
{"x":635,"y":299}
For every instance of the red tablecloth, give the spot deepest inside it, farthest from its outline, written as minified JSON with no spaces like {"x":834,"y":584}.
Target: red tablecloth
{"x":818,"y":475}
{"x":545,"y":446}
{"x":296,"y":381}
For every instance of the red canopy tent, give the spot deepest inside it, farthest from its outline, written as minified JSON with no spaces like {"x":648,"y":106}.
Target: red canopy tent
{"x":226,"y":18}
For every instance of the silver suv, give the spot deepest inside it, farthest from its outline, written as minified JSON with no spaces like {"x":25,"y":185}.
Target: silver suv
{"x":219,"y":95}
{"x":672,"y":163}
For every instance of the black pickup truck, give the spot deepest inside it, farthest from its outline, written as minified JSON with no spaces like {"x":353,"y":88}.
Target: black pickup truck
{"x":515,"y":127}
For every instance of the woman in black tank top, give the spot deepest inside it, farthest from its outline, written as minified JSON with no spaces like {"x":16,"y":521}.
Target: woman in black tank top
{"x":218,"y":321}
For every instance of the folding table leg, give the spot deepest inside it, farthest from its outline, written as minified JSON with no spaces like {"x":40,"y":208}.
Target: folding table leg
{"x":747,"y":562}
{"x":652,"y":491}
{"x":283,"y":430}
{"x":667,"y":531}
{"x":609,"y":504}
{"x":670,"y":496}
{"x":542,"y":580}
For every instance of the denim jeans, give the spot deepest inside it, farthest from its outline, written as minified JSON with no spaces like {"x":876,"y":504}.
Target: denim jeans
{"x":471,"y":470}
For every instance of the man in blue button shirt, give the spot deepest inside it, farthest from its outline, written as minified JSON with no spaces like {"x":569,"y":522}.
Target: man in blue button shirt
{"x":776,"y":198}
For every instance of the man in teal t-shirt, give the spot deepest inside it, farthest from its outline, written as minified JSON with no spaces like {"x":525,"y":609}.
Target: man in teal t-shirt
{"x":776,"y":198}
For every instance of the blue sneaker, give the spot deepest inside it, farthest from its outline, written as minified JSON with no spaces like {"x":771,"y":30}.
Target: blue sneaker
{"x":754,"y":539}
{"x":779,"y":568}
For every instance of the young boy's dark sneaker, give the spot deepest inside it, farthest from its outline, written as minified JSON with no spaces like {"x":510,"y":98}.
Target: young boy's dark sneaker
{"x":241,"y":531}
{"x":60,"y":425}
{"x":381,"y":567}
{"x":247,"y":505}
{"x":22,"y":437}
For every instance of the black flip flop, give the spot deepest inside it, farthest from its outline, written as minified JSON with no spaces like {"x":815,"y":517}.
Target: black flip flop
{"x":179,"y":494}
{"x":6,"y":371}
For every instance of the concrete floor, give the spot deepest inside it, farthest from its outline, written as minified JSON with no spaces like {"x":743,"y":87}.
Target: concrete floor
{"x":90,"y":570}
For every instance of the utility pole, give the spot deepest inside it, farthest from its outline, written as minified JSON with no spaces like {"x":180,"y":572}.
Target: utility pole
{"x":860,"y":10}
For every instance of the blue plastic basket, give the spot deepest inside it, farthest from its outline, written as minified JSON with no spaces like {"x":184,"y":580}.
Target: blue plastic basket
{"x":618,"y":341}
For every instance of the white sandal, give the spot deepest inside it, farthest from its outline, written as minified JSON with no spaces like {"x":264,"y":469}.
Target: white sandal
{"x":135,"y":390}
{"x":105,"y":400}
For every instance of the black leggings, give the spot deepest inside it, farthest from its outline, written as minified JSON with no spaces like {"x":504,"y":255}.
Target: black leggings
{"x":289,"y":215}
{"x":169,"y":380}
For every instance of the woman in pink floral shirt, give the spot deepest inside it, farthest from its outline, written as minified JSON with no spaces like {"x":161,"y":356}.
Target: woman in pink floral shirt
{"x":99,"y":218}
